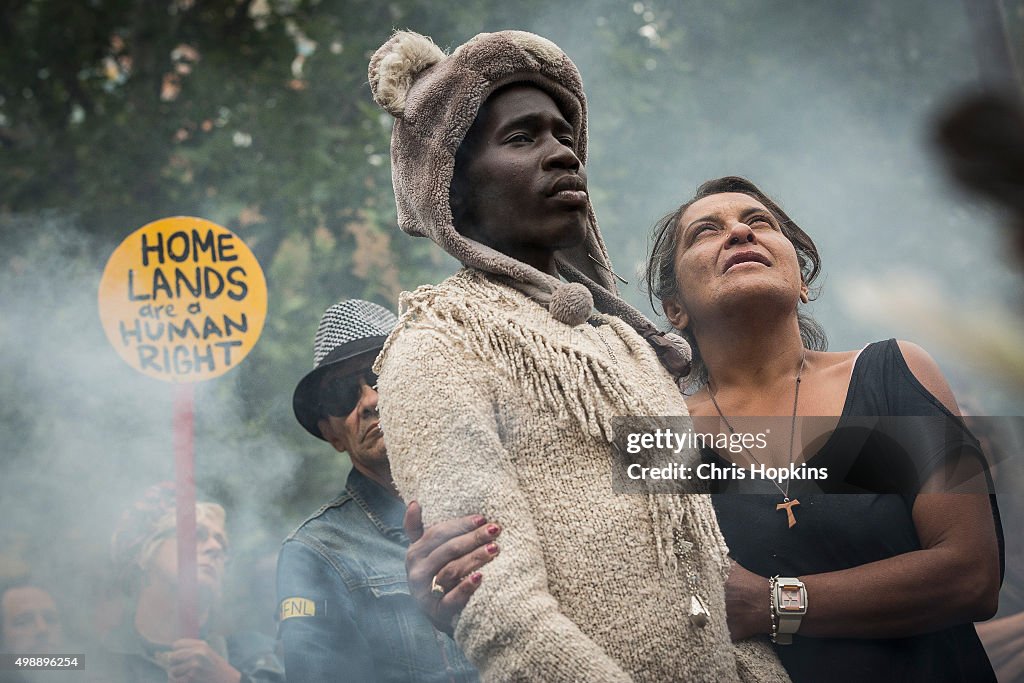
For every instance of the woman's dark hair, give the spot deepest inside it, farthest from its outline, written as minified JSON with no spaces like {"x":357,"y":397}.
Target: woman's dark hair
{"x":660,"y":275}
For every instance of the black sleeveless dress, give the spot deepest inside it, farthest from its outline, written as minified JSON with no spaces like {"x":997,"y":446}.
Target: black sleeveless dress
{"x":836,"y":531}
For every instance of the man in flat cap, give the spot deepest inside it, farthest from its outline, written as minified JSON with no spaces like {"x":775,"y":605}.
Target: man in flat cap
{"x":345,"y":610}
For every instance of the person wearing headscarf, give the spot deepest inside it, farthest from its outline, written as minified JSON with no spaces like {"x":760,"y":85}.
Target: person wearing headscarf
{"x":147,"y":646}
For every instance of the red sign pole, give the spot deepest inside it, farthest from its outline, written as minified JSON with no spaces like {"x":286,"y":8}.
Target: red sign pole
{"x":185,"y":487}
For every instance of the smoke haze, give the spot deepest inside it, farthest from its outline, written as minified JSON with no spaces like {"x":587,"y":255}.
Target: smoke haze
{"x":829,"y":111}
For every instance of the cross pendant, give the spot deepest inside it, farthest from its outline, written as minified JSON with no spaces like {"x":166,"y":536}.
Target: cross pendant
{"x":788,"y":507}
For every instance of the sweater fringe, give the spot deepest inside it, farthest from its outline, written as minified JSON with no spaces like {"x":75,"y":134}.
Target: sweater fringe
{"x":562,"y":379}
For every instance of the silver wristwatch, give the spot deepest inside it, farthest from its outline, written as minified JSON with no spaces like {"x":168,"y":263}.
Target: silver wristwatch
{"x":789,"y":605}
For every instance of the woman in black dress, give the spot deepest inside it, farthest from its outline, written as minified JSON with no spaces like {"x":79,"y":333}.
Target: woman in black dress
{"x":890,"y":579}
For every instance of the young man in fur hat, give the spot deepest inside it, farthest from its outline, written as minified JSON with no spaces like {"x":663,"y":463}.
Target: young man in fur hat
{"x":499,"y":386}
{"x":345,"y":609}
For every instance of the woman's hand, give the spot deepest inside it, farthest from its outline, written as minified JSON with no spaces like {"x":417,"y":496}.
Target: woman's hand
{"x":449,"y":554}
{"x":747,"y":603}
{"x":194,"y":661}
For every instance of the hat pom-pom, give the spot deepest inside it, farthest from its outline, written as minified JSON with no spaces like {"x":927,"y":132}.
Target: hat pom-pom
{"x":571,"y":303}
{"x":396,"y":64}
{"x":681,"y":345}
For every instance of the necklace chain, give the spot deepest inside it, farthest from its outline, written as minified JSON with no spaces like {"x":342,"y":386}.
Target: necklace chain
{"x":792,"y":424}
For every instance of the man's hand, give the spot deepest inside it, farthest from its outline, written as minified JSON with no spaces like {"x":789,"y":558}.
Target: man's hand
{"x":449,"y":553}
{"x":194,"y":661}
{"x":747,"y":603}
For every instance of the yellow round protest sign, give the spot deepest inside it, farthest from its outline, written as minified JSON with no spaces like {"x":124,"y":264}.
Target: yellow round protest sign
{"x":183,"y":299}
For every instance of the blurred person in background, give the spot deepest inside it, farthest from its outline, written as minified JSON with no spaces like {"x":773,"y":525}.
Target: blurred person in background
{"x":345,"y":609}
{"x":981,"y":139}
{"x":146,"y":646}
{"x":30,"y":623}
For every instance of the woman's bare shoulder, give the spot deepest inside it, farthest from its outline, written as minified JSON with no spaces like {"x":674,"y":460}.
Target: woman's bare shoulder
{"x":927,"y":372}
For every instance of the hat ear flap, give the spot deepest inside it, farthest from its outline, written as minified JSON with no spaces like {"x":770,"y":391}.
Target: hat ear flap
{"x":396,"y":64}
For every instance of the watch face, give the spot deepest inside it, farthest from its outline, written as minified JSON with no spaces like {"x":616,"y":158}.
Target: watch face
{"x":791,"y":599}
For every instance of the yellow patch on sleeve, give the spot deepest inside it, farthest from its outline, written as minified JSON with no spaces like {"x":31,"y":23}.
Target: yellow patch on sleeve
{"x":297,"y":607}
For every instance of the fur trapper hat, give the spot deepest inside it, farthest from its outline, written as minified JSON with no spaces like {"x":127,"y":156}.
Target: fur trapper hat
{"x":435,"y":98}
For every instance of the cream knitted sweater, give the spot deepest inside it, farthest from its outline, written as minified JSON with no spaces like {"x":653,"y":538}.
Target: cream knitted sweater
{"x":491,"y":406}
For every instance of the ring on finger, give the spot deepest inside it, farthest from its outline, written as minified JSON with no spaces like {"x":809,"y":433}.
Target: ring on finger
{"x":436,"y":589}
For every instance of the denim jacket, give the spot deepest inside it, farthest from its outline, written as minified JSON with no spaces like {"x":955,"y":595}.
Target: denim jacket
{"x":344,"y":605}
